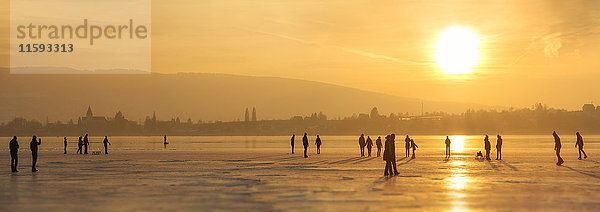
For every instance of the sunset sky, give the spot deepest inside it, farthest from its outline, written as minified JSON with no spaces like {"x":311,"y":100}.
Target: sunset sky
{"x":527,"y":51}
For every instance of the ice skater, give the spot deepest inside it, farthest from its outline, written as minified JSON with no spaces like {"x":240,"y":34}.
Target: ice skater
{"x":13,"y":145}
{"x":361,"y":144}
{"x":389,"y":155}
{"x":414,"y":147}
{"x":369,"y":145}
{"x":488,"y":147}
{"x":407,"y":146}
{"x":65,"y":144}
{"x":499,"y":148}
{"x":106,"y":143}
{"x":379,"y":145}
{"x":579,"y":144}
{"x":33,"y":146}
{"x":447,"y":142}
{"x":318,"y":143}
{"x":557,"y":146}
{"x":305,"y":143}
{"x":292,"y":142}
{"x":86,"y":143}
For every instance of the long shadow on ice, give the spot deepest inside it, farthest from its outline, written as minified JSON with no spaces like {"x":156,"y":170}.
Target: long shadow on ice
{"x":582,"y":172}
{"x":405,"y":162}
{"x":365,"y":160}
{"x":509,"y":166}
{"x":346,"y":160}
{"x":492,"y":165}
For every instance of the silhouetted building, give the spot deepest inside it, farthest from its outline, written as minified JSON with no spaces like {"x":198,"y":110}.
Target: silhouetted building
{"x":588,"y":108}
{"x":90,"y":120}
{"x":253,"y":114}
{"x":247,"y":115}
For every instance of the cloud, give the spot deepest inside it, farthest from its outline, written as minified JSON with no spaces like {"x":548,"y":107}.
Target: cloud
{"x":551,"y":45}
{"x":348,"y":50}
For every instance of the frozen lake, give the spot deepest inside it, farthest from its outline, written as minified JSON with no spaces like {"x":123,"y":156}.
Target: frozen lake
{"x":260,"y":174}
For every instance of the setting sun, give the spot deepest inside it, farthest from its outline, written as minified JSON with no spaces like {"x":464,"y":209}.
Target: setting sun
{"x":457,"y":50}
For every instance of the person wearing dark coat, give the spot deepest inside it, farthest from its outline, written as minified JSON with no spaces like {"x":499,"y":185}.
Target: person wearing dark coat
{"x":79,"y":146}
{"x":86,"y":143}
{"x":369,"y":145}
{"x":447,"y":142}
{"x":33,"y":146}
{"x":414,"y":147}
{"x":106,"y":143}
{"x":13,"y":145}
{"x":557,"y":147}
{"x":407,"y":146}
{"x":65,"y":144}
{"x":379,"y":145}
{"x":389,"y":155}
{"x":361,"y":144}
{"x":580,"y":144}
{"x":488,"y":147}
{"x":305,"y":143}
{"x":499,"y":148}
{"x":318,"y":143}
{"x":292,"y":142}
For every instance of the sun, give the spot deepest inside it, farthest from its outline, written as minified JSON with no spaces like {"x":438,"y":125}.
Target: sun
{"x":457,"y":50}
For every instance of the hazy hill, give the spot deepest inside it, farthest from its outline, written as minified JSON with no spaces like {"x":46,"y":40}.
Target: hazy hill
{"x":198,"y":96}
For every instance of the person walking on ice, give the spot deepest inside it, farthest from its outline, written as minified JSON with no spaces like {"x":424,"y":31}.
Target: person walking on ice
{"x":362,"y":144}
{"x":379,"y":145}
{"x":414,"y":147}
{"x":292,"y":142}
{"x":499,"y":148}
{"x":369,"y":145}
{"x":106,"y":143}
{"x":447,"y":142}
{"x":33,"y":146}
{"x":579,"y":144}
{"x":318,"y":143}
{"x":488,"y":147}
{"x":557,"y":147}
{"x":13,"y":146}
{"x":305,"y":143}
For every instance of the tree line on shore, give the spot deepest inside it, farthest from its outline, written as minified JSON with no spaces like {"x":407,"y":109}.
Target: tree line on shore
{"x":534,"y":120}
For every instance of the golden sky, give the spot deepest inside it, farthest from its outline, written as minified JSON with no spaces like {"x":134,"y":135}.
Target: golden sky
{"x":529,"y":51}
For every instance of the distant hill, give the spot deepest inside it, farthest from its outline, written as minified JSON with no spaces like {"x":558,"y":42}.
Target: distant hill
{"x":192,"y":95}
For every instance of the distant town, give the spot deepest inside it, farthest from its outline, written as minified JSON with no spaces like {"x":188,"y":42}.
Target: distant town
{"x":538,"y":119}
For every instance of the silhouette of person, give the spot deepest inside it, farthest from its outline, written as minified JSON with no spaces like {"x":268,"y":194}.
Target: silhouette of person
{"x":414,"y":147}
{"x":407,"y":146}
{"x":389,"y":155}
{"x":33,"y":146}
{"x":305,"y":143}
{"x":165,"y":142}
{"x":369,"y":145}
{"x":292,"y":142}
{"x":557,"y":146}
{"x":13,"y":145}
{"x":79,"y":145}
{"x":580,"y":144}
{"x":318,"y":143}
{"x":499,"y":148}
{"x":86,"y":143}
{"x":488,"y":147}
{"x":379,"y":145}
{"x":65,"y":144}
{"x":106,"y":143}
{"x":447,"y":142}
{"x":362,"y":143}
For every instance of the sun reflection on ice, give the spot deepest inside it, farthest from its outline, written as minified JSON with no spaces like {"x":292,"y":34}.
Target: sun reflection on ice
{"x":457,"y":183}
{"x":458,"y":143}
